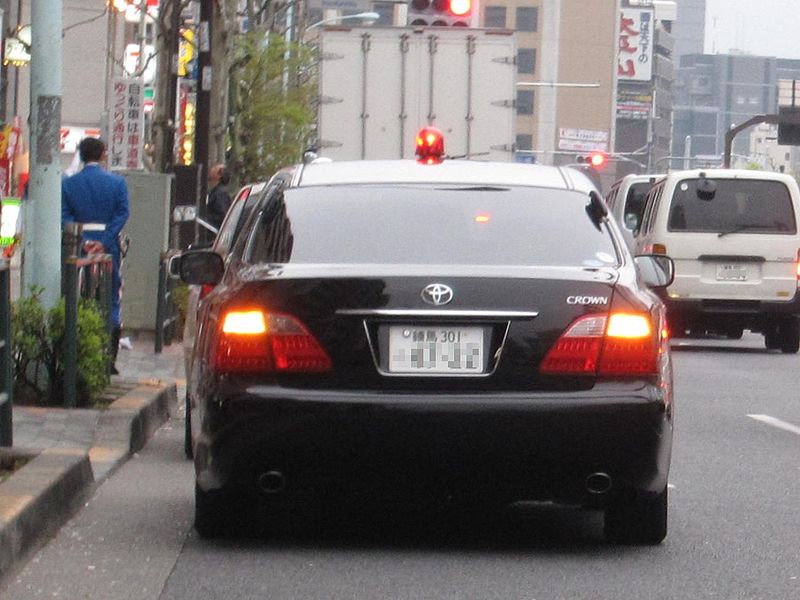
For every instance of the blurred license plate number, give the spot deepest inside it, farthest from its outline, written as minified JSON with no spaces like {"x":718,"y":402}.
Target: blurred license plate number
{"x":732,"y":272}
{"x":435,"y":349}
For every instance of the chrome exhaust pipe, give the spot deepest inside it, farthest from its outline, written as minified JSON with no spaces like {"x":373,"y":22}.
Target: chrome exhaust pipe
{"x":598,"y":483}
{"x":271,"y":482}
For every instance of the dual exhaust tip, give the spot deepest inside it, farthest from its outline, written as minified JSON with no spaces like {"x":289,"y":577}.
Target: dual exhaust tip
{"x":271,"y":482}
{"x":598,"y":483}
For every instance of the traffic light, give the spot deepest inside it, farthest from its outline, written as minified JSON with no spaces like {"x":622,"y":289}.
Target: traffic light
{"x":597,"y":160}
{"x":442,"y":13}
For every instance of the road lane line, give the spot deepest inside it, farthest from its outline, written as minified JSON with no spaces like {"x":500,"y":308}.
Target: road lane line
{"x":776,"y":423}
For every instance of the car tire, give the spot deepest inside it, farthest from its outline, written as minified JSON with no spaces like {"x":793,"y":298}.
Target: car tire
{"x":789,"y":336}
{"x":637,"y":519}
{"x":734,"y":333}
{"x":211,"y":512}
{"x":771,"y":339}
{"x":188,"y":450}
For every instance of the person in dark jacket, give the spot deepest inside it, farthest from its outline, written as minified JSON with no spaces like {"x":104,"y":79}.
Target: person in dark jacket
{"x":99,"y":200}
{"x":219,"y":200}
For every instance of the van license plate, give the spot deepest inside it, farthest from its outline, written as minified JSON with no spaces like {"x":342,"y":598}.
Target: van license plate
{"x":732,"y":272}
{"x":435,"y":349}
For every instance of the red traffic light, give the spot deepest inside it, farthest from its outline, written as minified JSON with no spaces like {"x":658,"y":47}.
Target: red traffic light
{"x":430,"y":146}
{"x":460,"y":8}
{"x":598,"y":160}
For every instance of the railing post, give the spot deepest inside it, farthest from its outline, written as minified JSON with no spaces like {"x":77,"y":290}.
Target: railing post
{"x":70,"y":332}
{"x":160,"y":305}
{"x":6,"y":372}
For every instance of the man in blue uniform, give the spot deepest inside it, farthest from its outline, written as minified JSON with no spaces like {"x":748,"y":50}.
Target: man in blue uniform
{"x":99,"y":200}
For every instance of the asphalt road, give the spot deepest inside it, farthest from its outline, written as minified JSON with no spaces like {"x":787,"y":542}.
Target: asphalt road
{"x":734,"y":522}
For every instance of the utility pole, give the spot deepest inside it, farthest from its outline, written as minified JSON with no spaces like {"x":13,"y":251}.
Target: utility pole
{"x":42,"y":247}
{"x":204,"y":83}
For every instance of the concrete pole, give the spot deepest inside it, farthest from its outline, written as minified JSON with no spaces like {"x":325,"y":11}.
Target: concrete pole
{"x":42,"y":241}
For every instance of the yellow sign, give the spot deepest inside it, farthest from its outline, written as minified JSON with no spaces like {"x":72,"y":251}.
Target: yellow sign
{"x":185,"y":52}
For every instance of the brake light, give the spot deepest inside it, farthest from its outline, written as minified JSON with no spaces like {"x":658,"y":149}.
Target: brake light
{"x":659,"y":249}
{"x":252,"y":341}
{"x":797,"y":267}
{"x":618,"y":344}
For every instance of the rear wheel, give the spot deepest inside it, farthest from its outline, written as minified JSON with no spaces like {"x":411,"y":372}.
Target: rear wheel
{"x":187,"y":432}
{"x":789,"y":333}
{"x":211,"y":512}
{"x":223,"y":512}
{"x":636,"y":519}
{"x":734,"y":333}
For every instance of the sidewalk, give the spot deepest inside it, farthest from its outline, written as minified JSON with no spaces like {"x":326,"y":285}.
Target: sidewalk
{"x":70,"y":451}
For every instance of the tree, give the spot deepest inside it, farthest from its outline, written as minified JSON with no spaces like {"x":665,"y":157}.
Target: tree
{"x":271,"y":104}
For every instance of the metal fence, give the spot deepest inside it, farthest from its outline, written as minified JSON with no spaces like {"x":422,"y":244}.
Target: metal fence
{"x":6,"y":373}
{"x":83,"y":277}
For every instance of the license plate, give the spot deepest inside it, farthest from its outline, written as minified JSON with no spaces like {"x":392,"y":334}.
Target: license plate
{"x":435,"y":349}
{"x":732,"y":272}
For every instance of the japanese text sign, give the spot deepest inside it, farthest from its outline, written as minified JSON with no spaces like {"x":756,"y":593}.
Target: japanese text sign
{"x":635,"y":50}
{"x":126,"y":135}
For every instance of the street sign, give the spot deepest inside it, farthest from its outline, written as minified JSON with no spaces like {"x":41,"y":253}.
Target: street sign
{"x":789,"y":125}
{"x":343,"y":5}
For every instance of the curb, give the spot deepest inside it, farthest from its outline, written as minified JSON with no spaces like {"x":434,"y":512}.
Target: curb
{"x":39,"y":498}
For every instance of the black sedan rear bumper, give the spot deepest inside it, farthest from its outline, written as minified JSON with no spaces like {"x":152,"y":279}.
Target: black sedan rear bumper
{"x":506,"y":446}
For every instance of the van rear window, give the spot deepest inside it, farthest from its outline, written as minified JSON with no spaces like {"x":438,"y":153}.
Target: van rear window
{"x":736,"y":205}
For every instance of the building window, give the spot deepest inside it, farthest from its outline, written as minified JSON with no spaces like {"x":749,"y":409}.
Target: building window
{"x":524,"y":141}
{"x":527,"y":18}
{"x":524,"y":102}
{"x":495,"y":16}
{"x":526,"y":60}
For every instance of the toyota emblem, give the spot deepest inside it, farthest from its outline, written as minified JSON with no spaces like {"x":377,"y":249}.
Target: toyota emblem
{"x":437,"y":294}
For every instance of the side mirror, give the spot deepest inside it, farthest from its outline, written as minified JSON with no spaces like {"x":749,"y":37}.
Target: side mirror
{"x":656,"y":270}
{"x":201,"y":267}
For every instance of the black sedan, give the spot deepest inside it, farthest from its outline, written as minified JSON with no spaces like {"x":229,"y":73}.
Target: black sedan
{"x":395,"y":331}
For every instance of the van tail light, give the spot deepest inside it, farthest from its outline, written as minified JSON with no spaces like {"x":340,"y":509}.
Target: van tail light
{"x":797,"y":267}
{"x":659,"y":249}
{"x":619,"y":344}
{"x":253,"y":341}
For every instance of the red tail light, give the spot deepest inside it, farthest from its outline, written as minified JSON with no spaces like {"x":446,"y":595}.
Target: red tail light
{"x":614,"y":345}
{"x":797,"y":267}
{"x":256,"y":342}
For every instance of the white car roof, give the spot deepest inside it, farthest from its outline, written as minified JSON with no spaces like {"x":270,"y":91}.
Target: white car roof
{"x":731,"y":174}
{"x":448,"y":172}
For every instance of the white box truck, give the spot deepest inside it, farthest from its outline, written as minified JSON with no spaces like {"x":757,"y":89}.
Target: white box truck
{"x":379,"y":86}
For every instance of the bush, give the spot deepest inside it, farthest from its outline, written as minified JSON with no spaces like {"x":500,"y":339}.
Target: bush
{"x":37,"y":338}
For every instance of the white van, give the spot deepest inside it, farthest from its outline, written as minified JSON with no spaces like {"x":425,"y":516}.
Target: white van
{"x":626,"y":202}
{"x":733,"y":235}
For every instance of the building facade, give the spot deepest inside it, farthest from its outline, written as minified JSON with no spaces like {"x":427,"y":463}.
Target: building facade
{"x":716,"y":92}
{"x":566,"y":75}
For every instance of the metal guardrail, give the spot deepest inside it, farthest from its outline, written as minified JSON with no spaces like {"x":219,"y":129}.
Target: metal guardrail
{"x":83,"y":277}
{"x":166,"y":307}
{"x":6,"y":372}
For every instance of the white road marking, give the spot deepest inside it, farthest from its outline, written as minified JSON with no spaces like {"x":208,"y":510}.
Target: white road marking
{"x":776,"y":423}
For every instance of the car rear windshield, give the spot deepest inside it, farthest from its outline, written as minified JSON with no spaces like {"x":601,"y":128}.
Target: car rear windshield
{"x":732,"y":206}
{"x":373,"y":224}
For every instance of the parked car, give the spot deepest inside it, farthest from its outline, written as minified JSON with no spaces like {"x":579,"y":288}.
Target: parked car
{"x":733,"y":235}
{"x":626,"y":202}
{"x":240,"y":209}
{"x":417,"y":331}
